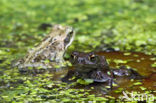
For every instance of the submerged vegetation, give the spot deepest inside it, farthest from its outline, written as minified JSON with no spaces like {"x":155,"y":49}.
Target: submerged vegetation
{"x":104,"y":25}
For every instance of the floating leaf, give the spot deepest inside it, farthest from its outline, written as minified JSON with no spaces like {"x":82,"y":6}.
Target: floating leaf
{"x":137,"y":83}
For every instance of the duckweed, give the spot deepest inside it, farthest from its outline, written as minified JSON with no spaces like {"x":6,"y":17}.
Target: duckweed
{"x":101,"y":25}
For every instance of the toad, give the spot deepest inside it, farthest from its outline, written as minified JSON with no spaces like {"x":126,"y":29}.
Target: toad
{"x":51,"y":49}
{"x":95,"y":67}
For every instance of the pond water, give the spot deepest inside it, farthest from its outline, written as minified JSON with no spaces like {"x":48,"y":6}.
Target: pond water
{"x":44,"y":86}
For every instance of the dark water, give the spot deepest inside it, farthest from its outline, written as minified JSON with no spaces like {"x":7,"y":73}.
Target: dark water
{"x":139,"y":61}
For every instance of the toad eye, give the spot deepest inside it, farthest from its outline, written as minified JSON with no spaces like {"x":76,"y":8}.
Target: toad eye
{"x":92,"y":58}
{"x":69,"y":35}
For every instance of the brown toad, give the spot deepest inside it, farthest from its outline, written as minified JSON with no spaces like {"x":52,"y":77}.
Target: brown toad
{"x":51,"y":49}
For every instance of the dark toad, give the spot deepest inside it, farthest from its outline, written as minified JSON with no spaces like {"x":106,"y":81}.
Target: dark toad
{"x":86,"y":62}
{"x":90,"y":66}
